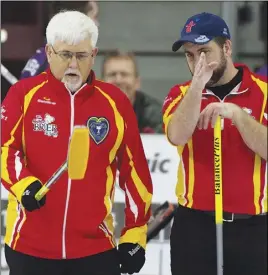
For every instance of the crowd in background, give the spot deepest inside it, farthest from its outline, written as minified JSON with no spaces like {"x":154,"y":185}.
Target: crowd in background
{"x":119,"y":67}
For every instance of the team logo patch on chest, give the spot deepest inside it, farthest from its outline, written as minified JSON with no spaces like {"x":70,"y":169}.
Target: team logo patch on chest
{"x":45,"y":125}
{"x":98,"y":128}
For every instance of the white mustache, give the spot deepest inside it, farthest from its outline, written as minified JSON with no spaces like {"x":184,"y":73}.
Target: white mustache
{"x":72,"y":72}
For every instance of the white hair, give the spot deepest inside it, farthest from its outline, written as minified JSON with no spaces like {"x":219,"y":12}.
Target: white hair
{"x":71,"y":27}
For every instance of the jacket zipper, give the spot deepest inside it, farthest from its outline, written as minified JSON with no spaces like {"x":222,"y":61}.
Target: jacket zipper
{"x":72,"y":96}
{"x":68,"y":187}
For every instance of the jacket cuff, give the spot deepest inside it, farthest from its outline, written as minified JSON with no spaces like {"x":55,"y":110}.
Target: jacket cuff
{"x":19,"y":187}
{"x":135,"y":235}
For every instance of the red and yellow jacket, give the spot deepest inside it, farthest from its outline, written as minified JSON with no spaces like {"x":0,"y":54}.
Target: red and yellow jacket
{"x":244,"y":172}
{"x":38,"y":116}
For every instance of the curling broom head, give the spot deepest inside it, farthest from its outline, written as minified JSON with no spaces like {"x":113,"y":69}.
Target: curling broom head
{"x":78,"y":153}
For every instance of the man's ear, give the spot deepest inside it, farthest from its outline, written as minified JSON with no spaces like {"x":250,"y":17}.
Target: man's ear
{"x":48,"y":52}
{"x":228,"y":48}
{"x":94,"y":53}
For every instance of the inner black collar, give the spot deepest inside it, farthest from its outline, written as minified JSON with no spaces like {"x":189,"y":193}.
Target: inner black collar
{"x":223,"y":90}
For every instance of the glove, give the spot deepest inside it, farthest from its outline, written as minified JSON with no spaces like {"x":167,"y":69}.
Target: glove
{"x":132,"y":257}
{"x":28,"y":200}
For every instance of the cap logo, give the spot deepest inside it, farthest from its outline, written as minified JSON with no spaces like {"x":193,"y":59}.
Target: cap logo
{"x":225,"y":31}
{"x":201,"y":39}
{"x":188,"y":27}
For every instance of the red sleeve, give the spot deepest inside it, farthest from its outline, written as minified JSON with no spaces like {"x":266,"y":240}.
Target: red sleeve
{"x":135,"y":180}
{"x":14,"y":175}
{"x":171,"y":102}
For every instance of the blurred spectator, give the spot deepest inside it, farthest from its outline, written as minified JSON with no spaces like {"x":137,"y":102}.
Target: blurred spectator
{"x":121,"y":70}
{"x":262,"y":70}
{"x":92,"y":10}
{"x":38,"y":62}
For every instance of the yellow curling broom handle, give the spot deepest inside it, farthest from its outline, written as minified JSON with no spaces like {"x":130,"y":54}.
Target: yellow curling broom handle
{"x":218,"y":171}
{"x":46,"y":187}
{"x":41,"y":193}
{"x":218,"y":194}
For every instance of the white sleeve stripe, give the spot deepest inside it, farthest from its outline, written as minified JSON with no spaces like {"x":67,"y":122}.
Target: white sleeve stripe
{"x":18,"y":165}
{"x":133,"y":206}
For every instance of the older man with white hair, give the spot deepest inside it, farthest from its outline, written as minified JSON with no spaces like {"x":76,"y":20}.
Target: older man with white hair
{"x":70,"y":231}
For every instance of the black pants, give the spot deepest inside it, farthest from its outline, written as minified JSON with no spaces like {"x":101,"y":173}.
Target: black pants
{"x":193,"y":245}
{"x":106,"y":263}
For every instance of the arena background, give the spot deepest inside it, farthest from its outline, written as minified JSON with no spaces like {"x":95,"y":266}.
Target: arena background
{"x":148,"y":29}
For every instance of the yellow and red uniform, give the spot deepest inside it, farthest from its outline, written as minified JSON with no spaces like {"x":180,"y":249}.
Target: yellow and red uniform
{"x":244,"y":172}
{"x":38,"y":116}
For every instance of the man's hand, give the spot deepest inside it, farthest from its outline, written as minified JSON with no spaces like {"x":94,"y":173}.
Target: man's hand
{"x":213,"y":110}
{"x":28,"y":197}
{"x":203,"y":72}
{"x":132,"y":257}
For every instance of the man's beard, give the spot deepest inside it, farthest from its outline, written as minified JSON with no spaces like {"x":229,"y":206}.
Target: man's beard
{"x":70,"y":84}
{"x":73,"y":87}
{"x":218,"y":72}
